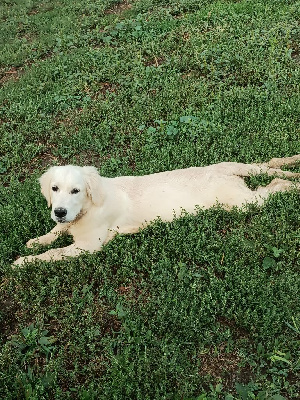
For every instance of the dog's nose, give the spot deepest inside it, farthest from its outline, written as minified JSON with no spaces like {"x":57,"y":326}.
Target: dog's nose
{"x":60,"y":212}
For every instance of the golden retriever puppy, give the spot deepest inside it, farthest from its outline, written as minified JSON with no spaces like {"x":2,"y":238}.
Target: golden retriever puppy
{"x":93,"y":209}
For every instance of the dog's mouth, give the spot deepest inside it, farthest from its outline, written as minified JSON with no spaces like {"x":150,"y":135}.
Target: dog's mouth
{"x":61,"y":220}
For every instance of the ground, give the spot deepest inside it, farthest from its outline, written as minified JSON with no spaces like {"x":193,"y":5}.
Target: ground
{"x":205,"y":307}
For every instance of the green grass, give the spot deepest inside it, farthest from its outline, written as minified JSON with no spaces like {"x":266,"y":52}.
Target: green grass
{"x":205,"y":307}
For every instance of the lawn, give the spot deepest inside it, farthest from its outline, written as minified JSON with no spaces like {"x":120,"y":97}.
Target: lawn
{"x":205,"y":307}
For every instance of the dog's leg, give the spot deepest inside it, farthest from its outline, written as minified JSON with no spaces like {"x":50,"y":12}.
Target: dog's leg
{"x":280,"y":162}
{"x":128,"y":229}
{"x":256,"y":169}
{"x":277,"y":185}
{"x":49,"y":237}
{"x":273,"y":167}
{"x":241,"y":169}
{"x":51,"y":255}
{"x":91,"y":243}
{"x":278,"y":172}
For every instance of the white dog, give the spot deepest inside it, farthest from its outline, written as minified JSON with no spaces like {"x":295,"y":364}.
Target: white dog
{"x":93,"y":209}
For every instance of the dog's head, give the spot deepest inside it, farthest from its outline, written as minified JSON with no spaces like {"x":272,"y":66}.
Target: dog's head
{"x":71,"y":190}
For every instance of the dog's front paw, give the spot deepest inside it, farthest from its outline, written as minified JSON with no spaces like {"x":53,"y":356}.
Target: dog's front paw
{"x":32,"y":242}
{"x":23,"y":260}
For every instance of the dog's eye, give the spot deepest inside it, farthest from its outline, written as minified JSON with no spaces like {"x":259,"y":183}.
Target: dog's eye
{"x":74,"y":191}
{"x":54,"y":188}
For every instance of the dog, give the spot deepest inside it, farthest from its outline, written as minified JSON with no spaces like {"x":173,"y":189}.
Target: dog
{"x":93,"y":209}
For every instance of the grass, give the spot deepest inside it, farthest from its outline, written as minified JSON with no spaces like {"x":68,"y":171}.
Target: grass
{"x":205,"y":307}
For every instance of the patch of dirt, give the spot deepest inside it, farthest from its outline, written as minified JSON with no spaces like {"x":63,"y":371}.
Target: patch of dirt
{"x":113,"y":325}
{"x":90,"y":158}
{"x":13,"y":73}
{"x":238,"y":332}
{"x":42,"y":7}
{"x":119,"y":8}
{"x":193,"y":74}
{"x":33,"y":11}
{"x":296,"y":55}
{"x":104,"y":88}
{"x":226,"y":366}
{"x":46,"y":55}
{"x":154,"y":62}
{"x":39,"y":163}
{"x":134,"y":293}
{"x":186,"y":36}
{"x":44,"y":160}
{"x":68,"y":121}
{"x":8,"y":315}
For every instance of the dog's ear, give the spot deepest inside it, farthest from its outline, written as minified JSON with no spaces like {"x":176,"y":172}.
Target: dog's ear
{"x":45,"y":182}
{"x":93,"y":185}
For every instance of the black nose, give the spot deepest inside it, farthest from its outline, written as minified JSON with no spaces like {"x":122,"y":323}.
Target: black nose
{"x":60,"y":212}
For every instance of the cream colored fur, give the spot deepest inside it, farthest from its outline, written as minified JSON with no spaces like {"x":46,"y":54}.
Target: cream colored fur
{"x":97,"y":208}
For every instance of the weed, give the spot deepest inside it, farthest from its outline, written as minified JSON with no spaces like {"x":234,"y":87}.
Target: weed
{"x":204,"y":307}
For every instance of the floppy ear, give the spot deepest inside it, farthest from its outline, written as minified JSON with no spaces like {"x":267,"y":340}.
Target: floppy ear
{"x":45,"y":181}
{"x":94,"y":185}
